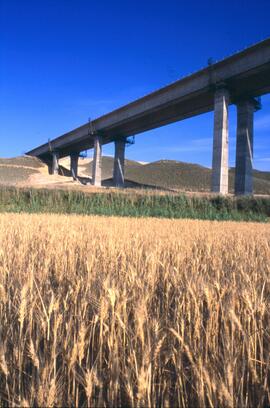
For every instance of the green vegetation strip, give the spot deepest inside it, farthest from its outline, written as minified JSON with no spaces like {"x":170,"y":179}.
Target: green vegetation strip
{"x":134,"y":205}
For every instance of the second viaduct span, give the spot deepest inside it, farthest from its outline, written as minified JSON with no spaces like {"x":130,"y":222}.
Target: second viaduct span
{"x":238,"y":79}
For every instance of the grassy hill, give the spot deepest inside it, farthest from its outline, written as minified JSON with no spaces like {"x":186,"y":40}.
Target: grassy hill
{"x":172,"y":174}
{"x":164,"y":174}
{"x":107,"y":167}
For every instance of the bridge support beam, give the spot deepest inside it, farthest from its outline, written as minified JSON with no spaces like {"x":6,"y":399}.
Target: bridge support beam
{"x":74,"y":159}
{"x":119,"y":162}
{"x":220,"y":175}
{"x":244,"y":148}
{"x":97,"y":165}
{"x":55,"y":163}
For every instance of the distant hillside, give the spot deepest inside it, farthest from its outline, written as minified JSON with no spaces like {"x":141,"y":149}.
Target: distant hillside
{"x":164,"y":174}
{"x":107,"y":167}
{"x":172,"y":174}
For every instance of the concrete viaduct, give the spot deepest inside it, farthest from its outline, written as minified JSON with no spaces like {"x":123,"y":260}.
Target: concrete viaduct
{"x":238,"y":79}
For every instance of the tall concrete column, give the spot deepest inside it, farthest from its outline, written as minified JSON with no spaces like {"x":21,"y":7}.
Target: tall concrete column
{"x":220,"y":175}
{"x":74,"y":158}
{"x":96,"y":169}
{"x":244,"y":148}
{"x":55,"y":163}
{"x":119,"y":162}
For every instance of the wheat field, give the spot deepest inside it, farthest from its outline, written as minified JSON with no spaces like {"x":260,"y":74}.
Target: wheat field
{"x":102,"y":312}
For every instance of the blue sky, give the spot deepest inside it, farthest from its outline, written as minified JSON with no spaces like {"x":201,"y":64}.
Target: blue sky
{"x":64,"y":61}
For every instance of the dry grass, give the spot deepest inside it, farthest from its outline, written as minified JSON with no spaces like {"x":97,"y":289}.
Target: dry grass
{"x":123,"y":312}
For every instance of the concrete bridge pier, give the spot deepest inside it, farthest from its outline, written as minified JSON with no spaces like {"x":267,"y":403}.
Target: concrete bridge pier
{"x":74,"y":159}
{"x":119,"y":162}
{"x":244,"y":147}
{"x":97,"y":165}
{"x":55,"y":163}
{"x":220,"y":175}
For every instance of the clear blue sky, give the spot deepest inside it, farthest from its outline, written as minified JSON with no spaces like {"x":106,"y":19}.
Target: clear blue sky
{"x":63,"y":61}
